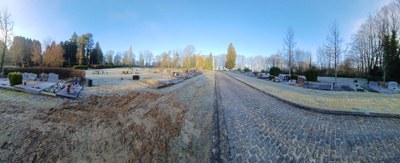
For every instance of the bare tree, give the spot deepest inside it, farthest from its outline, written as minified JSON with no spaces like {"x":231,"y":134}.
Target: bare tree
{"x":109,"y":57}
{"x":289,"y":45}
{"x":6,"y":27}
{"x":274,"y":60}
{"x":148,"y":56}
{"x":334,"y":45}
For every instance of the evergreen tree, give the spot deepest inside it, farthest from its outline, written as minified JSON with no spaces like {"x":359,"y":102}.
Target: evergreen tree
{"x":230,"y":57}
{"x":97,"y":55}
{"x":391,"y":59}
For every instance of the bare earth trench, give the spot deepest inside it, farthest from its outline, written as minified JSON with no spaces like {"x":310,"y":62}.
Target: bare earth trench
{"x":260,"y":128}
{"x":141,"y":125}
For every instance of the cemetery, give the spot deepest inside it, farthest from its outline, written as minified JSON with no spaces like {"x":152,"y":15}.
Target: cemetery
{"x":42,"y":84}
{"x":98,"y":81}
{"x":328,"y":83}
{"x":350,"y":94}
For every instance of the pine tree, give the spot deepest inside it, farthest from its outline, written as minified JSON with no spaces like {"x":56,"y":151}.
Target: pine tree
{"x":230,"y":57}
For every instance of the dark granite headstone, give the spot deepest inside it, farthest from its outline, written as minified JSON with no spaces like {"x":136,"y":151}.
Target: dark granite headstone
{"x":135,"y":77}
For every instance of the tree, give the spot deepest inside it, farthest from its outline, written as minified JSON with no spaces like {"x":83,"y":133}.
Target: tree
{"x":97,"y":55}
{"x":85,"y":48}
{"x":275,"y":60}
{"x":53,"y":56}
{"x":289,"y":45}
{"x":17,"y":50}
{"x":200,"y":62}
{"x":176,"y":59}
{"x":131,"y":56}
{"x":230,"y":57}
{"x":117,"y":59}
{"x":391,"y":57}
{"x":322,"y":57}
{"x":334,"y":45}
{"x":141,"y":59}
{"x":209,"y":62}
{"x":188,"y":55}
{"x":70,"y":50}
{"x":6,"y":27}
{"x":147,"y":56}
{"x":37,"y":53}
{"x":109,"y":57}
{"x":166,"y":60}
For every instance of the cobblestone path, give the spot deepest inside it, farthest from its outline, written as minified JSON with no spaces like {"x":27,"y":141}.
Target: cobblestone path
{"x":260,"y":128}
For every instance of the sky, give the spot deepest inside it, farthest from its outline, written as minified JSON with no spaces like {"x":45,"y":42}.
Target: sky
{"x":254,"y":27}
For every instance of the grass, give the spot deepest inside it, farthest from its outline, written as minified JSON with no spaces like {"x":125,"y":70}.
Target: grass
{"x":329,"y":100}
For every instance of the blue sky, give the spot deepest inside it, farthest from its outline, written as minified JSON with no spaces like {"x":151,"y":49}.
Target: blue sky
{"x":254,"y":27}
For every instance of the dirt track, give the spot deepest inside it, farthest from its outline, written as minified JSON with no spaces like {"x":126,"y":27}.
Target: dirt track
{"x":163,"y":125}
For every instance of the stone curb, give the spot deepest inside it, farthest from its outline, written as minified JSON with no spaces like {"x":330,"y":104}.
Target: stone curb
{"x":320,"y":110}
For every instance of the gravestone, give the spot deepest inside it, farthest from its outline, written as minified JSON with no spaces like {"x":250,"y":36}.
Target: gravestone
{"x":53,"y":78}
{"x":392,"y":85}
{"x":292,"y":82}
{"x":325,"y":87}
{"x":44,"y":77}
{"x":135,"y":77}
{"x":373,"y":84}
{"x":281,"y":77}
{"x":300,"y":80}
{"x":32,"y":76}
{"x":353,"y":86}
{"x":262,"y":76}
{"x":25,"y":76}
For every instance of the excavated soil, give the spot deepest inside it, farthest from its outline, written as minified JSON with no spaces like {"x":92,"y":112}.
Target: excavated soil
{"x":136,"y":127}
{"x":172,"y":124}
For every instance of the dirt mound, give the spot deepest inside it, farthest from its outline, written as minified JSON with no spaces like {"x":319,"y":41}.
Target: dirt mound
{"x":136,"y":127}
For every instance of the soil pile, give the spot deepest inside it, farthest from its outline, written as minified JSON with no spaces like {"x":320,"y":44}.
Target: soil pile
{"x":131,"y":128}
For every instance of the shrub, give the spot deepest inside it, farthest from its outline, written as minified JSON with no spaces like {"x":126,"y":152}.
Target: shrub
{"x":275,"y":71}
{"x":80,"y":67}
{"x":246,"y":69}
{"x":294,"y":77}
{"x":311,"y":74}
{"x":64,"y":73}
{"x":375,"y":74}
{"x":15,"y":78}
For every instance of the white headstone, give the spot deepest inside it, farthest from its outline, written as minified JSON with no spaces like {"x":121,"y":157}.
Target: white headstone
{"x":373,"y":84}
{"x":32,"y":76}
{"x":25,"y":76}
{"x":53,"y":77}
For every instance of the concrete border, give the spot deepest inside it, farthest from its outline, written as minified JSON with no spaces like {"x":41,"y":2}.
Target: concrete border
{"x":320,"y":110}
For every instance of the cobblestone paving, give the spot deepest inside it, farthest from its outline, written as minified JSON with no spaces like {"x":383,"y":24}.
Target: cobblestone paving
{"x":261,"y":128}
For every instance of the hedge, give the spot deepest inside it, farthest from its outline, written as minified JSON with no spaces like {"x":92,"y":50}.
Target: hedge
{"x":294,"y":77}
{"x":311,"y":75}
{"x":15,"y":78}
{"x":64,"y":73}
{"x":80,"y":67}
